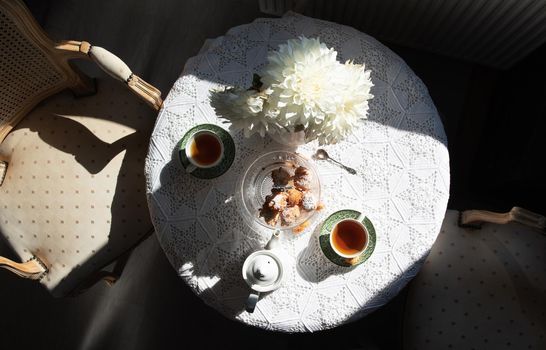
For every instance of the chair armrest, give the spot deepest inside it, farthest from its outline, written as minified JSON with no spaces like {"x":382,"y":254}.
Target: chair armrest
{"x":516,"y":214}
{"x":113,"y":66}
{"x":110,"y":63}
{"x":32,"y":269}
{"x":71,"y":49}
{"x":117,"y":69}
{"x":146,"y":91}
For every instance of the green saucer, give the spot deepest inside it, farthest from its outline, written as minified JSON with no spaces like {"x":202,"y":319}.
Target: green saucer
{"x":227,"y":160}
{"x":324,"y":237}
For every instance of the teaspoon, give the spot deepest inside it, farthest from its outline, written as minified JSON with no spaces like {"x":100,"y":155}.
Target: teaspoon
{"x":321,"y":154}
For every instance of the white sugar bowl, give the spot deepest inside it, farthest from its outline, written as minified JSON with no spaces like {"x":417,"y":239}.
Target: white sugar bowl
{"x":263,"y":272}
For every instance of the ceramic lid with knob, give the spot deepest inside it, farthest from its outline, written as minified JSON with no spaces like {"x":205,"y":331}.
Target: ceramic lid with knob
{"x":263,"y":271}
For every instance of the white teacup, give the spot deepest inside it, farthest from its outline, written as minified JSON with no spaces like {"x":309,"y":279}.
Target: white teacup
{"x":349,"y":237}
{"x":204,"y":150}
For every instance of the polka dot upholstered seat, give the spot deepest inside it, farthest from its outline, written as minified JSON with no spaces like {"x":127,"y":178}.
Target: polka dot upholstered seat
{"x":74,"y":192}
{"x":480,"y":289}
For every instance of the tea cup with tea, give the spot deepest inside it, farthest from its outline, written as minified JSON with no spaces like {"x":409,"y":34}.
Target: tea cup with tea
{"x":204,"y":150}
{"x":349,"y":237}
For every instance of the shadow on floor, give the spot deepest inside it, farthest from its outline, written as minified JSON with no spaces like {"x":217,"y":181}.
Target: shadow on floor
{"x":150,"y":307}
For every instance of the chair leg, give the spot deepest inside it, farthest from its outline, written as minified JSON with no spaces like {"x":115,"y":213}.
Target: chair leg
{"x":84,"y":86}
{"x":3,"y":171}
{"x":111,"y":277}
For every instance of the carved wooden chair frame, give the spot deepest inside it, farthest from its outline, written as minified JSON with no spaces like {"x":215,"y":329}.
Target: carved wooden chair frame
{"x":59,"y":55}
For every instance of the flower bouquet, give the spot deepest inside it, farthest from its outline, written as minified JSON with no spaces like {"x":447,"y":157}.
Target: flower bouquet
{"x":302,"y":89}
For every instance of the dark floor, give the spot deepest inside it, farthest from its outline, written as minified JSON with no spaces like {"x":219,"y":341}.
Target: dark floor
{"x":493,"y":164}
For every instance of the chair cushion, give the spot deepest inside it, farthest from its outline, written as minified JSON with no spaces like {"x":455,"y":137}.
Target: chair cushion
{"x":479,"y":289}
{"x":74,"y":192}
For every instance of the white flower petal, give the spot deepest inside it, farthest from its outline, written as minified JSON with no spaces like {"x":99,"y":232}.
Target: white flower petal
{"x":303,"y":84}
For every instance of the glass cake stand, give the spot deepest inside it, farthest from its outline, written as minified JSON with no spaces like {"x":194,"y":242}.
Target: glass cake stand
{"x":257,"y":183}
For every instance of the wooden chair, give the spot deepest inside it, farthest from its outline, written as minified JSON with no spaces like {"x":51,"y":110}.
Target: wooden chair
{"x":483,"y":284}
{"x":72,"y":191}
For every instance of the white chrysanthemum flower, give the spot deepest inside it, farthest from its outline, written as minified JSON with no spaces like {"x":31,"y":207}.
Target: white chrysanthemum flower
{"x":303,"y":87}
{"x":244,"y":109}
{"x":297,"y":81}
{"x":352,"y":85}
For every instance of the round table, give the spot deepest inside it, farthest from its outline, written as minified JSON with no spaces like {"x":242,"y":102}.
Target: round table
{"x":402,"y":185}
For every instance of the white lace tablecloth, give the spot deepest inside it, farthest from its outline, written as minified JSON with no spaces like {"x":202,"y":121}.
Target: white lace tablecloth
{"x":402,"y":185}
